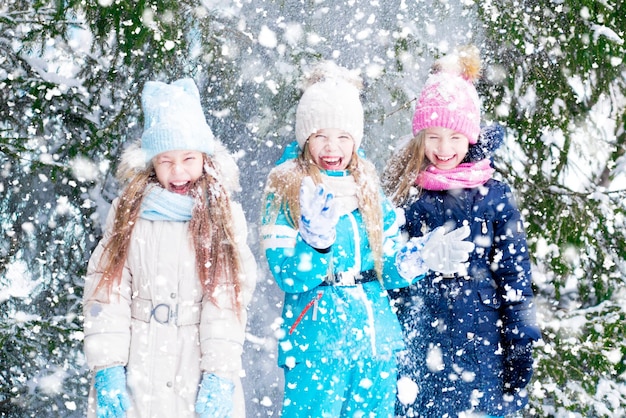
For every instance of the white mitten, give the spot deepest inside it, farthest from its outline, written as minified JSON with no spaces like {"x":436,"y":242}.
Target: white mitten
{"x":318,"y":215}
{"x":437,"y":251}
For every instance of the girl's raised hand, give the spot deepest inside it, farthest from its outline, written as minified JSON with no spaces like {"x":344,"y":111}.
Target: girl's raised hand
{"x":318,"y":215}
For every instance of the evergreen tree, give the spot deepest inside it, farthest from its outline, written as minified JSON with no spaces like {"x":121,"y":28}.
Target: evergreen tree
{"x":559,"y":85}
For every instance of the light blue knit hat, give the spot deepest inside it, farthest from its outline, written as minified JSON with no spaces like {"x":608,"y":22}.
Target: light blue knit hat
{"x":173,"y":119}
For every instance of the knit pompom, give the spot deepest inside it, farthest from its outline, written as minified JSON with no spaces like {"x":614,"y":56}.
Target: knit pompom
{"x":329,"y":70}
{"x":464,"y":61}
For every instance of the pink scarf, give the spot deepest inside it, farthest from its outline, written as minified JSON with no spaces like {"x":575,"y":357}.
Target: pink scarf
{"x":463,"y":176}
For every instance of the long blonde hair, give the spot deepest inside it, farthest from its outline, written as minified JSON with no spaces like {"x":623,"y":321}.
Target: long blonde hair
{"x":398,"y":179}
{"x":284,"y":181}
{"x":211,"y":232}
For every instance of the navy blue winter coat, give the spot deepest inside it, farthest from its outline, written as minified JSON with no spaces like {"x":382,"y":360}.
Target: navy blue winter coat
{"x":457,"y":329}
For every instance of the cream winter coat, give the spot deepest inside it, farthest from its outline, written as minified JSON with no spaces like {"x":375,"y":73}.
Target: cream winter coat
{"x":158,"y":324}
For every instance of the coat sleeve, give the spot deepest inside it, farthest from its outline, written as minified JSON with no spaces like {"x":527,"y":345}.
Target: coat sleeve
{"x":513,"y":273}
{"x":106,"y":317}
{"x":248,"y":262}
{"x":393,"y":221}
{"x":296,"y":266}
{"x":222,"y":325}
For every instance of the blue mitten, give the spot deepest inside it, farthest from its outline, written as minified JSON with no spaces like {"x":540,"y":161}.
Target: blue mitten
{"x":518,"y":366}
{"x":111,"y":394}
{"x":215,"y":397}
{"x":318,"y":216}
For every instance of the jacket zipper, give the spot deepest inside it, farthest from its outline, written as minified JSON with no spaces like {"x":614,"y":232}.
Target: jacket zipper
{"x":370,"y":317}
{"x":359,"y":289}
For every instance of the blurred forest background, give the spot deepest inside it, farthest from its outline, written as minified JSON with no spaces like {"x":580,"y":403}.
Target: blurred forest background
{"x":71,"y":72}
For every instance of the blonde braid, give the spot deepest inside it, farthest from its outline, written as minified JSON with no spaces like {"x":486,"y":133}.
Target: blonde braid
{"x":370,"y":205}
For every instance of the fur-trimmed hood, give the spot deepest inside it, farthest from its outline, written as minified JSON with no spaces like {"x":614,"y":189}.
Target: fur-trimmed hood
{"x":133,"y":160}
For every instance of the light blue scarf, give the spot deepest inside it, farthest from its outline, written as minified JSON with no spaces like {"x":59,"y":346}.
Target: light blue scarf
{"x":162,"y":205}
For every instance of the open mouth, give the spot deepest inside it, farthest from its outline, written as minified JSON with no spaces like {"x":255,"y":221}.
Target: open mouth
{"x":444,"y":159}
{"x":180,"y":187}
{"x":331,"y":163}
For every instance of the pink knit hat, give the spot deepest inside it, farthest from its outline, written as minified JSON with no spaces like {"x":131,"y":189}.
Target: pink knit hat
{"x":449,"y":98}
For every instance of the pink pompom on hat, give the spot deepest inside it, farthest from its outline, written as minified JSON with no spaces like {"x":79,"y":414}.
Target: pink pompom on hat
{"x":449,"y":98}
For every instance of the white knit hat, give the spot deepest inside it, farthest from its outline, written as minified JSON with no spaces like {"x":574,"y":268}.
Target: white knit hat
{"x":330,"y":100}
{"x":173,"y":119}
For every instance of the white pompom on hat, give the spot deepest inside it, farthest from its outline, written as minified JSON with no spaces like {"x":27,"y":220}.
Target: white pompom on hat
{"x":330,"y":101}
{"x":173,"y":119}
{"x":449,"y":98}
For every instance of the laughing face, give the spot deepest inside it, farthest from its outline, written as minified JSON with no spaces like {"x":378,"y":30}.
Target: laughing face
{"x":178,"y":170}
{"x":331,"y":149}
{"x":445,"y":148}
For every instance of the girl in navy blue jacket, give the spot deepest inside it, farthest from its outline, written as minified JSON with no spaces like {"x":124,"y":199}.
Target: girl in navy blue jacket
{"x":469,"y":335}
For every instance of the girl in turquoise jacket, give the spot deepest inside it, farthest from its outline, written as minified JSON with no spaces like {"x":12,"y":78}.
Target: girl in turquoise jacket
{"x":331,"y":241}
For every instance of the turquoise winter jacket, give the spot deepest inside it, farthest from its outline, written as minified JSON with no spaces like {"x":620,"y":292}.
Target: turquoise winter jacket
{"x":321,"y":321}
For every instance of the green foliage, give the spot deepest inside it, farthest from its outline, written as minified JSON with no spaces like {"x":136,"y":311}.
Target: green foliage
{"x":551,"y":54}
{"x":42,"y":352}
{"x":581,"y":367}
{"x":146,"y":33}
{"x":555,"y":64}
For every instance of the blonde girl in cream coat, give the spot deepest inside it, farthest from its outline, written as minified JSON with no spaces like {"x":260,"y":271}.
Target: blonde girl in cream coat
{"x":167,"y":286}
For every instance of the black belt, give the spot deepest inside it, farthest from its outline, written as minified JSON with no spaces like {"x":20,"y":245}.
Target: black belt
{"x":347,"y":278}
{"x":452,"y":276}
